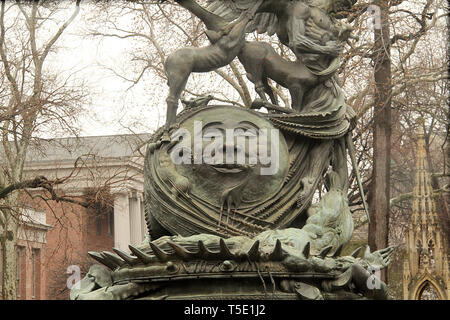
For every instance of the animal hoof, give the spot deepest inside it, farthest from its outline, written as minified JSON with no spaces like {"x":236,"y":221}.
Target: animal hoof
{"x":165,"y":137}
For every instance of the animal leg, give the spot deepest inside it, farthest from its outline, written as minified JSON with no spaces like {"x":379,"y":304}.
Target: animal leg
{"x":172,"y":106}
{"x":255,"y":78}
{"x":177,"y":80}
{"x":236,"y":29}
{"x":269,"y":91}
{"x":297,"y":93}
{"x":211,"y":20}
{"x":260,"y":90}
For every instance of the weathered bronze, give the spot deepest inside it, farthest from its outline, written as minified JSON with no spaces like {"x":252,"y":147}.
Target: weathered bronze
{"x":229,"y":191}
{"x":226,"y":43}
{"x":261,"y":62}
{"x":264,"y":267}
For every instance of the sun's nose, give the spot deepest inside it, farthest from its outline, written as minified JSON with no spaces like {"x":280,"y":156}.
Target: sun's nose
{"x":231,"y":147}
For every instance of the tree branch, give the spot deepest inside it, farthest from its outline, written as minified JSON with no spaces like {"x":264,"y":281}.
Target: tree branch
{"x":34,"y":183}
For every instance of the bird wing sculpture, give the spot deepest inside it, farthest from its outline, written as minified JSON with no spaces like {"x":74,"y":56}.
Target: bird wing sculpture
{"x":264,"y":22}
{"x":267,"y":22}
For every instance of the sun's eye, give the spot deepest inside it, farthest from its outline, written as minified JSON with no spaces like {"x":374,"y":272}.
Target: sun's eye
{"x":213,"y":133}
{"x":247,"y":133}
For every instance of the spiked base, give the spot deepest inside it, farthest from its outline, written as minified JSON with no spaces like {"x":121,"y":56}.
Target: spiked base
{"x":174,"y":271}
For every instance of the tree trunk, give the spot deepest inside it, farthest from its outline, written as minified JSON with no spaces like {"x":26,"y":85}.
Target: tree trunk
{"x":9,"y":251}
{"x":447,"y":179}
{"x":380,"y":187}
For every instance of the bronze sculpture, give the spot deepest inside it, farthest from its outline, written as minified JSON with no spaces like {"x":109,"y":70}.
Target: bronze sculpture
{"x":226,"y":43}
{"x":261,"y":61}
{"x":229,"y":195}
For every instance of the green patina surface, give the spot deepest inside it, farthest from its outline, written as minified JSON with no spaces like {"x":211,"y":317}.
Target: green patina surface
{"x":226,"y":230}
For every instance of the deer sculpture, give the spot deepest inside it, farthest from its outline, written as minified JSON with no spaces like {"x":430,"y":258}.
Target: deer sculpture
{"x":261,"y":62}
{"x":226,"y":43}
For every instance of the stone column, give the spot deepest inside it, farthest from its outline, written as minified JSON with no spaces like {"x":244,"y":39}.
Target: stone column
{"x":140,"y":217}
{"x":135,"y":219}
{"x":121,"y":221}
{"x":143,"y":222}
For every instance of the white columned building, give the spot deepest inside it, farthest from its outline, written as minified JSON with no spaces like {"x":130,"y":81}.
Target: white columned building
{"x":121,"y":221}
{"x":129,"y":222}
{"x":108,"y":160}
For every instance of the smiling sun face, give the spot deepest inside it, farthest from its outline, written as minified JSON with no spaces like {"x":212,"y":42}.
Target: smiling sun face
{"x":229,"y":145}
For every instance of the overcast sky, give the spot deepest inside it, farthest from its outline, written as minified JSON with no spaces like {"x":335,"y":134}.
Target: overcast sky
{"x":113,"y":107}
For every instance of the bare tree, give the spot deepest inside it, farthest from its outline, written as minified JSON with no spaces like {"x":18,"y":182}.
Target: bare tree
{"x":379,"y":194}
{"x":390,"y":79}
{"x":33,"y":99}
{"x":154,"y":30}
{"x":418,"y":90}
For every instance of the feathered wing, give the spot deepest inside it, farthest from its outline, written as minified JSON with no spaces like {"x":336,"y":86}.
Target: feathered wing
{"x":264,"y":22}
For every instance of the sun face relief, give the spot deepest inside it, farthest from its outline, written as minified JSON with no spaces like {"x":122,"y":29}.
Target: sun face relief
{"x":229,"y":146}
{"x":222,"y":149}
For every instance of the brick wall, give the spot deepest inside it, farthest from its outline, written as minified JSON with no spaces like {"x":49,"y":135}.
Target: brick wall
{"x":75,"y":231}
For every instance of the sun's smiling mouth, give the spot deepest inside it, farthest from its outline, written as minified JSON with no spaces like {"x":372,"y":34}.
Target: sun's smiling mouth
{"x":229,"y":168}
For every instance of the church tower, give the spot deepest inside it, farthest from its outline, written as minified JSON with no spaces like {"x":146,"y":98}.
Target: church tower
{"x":425,"y":270}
